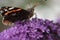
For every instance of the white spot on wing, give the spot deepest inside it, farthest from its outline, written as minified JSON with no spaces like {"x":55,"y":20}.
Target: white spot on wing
{"x":11,"y":8}
{"x":5,"y":9}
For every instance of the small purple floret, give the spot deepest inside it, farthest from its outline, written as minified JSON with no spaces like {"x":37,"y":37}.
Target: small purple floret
{"x":35,"y":29}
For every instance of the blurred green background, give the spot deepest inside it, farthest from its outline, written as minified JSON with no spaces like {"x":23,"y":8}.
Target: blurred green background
{"x":47,"y":9}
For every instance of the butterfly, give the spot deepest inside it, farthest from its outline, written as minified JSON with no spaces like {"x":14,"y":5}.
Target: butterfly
{"x":13,"y":14}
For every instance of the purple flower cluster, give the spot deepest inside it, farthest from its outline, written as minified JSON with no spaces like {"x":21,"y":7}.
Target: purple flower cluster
{"x":35,"y":29}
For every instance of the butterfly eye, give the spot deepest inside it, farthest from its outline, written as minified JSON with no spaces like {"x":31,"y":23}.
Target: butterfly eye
{"x":13,"y":14}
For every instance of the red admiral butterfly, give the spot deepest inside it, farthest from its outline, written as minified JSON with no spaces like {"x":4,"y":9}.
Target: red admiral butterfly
{"x":13,"y":14}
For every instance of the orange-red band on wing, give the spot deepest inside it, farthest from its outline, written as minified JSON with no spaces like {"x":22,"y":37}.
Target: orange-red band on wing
{"x":12,"y":11}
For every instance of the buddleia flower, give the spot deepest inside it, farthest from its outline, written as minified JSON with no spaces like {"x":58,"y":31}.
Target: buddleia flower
{"x":35,"y":29}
